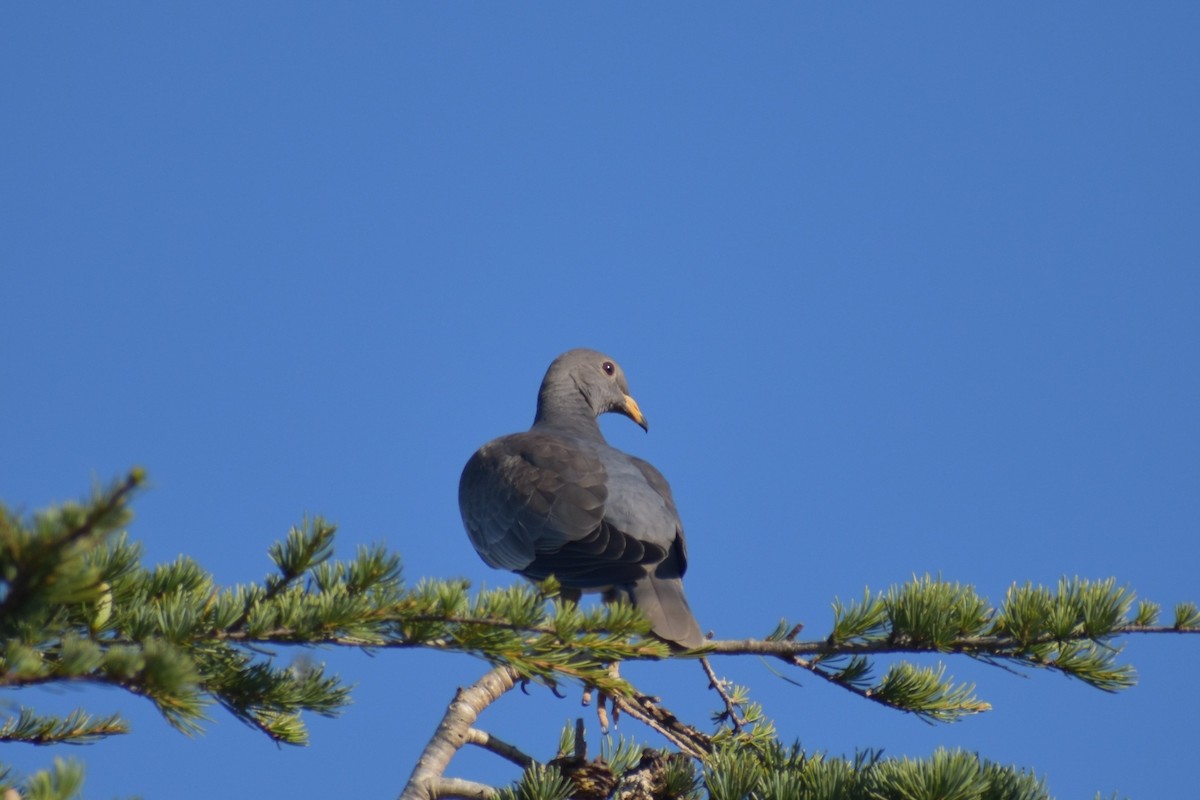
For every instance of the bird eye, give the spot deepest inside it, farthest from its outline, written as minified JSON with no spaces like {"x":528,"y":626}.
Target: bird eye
{"x":608,"y":368}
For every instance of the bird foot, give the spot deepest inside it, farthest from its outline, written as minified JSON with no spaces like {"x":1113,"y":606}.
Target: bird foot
{"x":604,"y":702}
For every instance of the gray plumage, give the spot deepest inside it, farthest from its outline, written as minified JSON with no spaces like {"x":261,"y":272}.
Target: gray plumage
{"x":558,"y":500}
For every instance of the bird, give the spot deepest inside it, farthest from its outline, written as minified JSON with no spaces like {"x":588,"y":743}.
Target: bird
{"x":559,"y":500}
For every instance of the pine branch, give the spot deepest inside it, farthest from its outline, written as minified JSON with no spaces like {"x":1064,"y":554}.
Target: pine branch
{"x":33,"y":565}
{"x":969,"y":645}
{"x":1070,"y":634}
{"x":306,"y":547}
{"x":1069,"y":631}
{"x":63,"y":781}
{"x":82,"y":609}
{"x":78,"y":727}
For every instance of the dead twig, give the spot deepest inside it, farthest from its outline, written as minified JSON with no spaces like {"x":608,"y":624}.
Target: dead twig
{"x":718,"y":685}
{"x":498,"y":746}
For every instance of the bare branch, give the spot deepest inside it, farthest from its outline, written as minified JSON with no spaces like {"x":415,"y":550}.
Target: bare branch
{"x":452,"y":734}
{"x":498,"y":746}
{"x":459,"y":788}
{"x":649,"y":712}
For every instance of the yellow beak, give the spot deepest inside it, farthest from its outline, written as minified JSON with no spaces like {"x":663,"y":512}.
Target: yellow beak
{"x":634,"y":413}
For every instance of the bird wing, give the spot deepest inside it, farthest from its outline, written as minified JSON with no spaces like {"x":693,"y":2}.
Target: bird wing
{"x":535,"y":503}
{"x":597,"y":519}
{"x":644,"y":500}
{"x":659,"y":484}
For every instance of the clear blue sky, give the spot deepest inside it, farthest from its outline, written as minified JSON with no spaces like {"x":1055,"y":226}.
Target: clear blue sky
{"x":901,"y":289}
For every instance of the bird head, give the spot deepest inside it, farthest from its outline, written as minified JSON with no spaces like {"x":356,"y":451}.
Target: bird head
{"x":595,"y":377}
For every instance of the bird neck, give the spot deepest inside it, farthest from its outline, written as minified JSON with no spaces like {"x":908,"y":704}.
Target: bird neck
{"x":565,"y":408}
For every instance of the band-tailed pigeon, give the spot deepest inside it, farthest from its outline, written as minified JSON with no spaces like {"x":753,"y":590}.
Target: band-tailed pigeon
{"x":558,"y":500}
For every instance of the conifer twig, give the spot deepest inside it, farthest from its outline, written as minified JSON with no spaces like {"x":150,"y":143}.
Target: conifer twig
{"x":102,"y":509}
{"x":718,"y":685}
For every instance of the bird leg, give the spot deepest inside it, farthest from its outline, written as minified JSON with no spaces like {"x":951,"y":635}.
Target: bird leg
{"x":572,"y":596}
{"x":603,"y":699}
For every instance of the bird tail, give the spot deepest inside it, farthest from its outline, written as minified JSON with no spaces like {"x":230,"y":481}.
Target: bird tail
{"x":664,"y":604}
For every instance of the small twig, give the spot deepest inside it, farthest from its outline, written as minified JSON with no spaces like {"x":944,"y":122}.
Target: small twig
{"x":498,"y":746}
{"x":647,"y":711}
{"x":821,"y":672}
{"x":719,"y":685}
{"x":135,"y":479}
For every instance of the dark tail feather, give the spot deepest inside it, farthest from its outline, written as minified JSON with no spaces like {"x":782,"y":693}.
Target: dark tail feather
{"x":664,"y":604}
